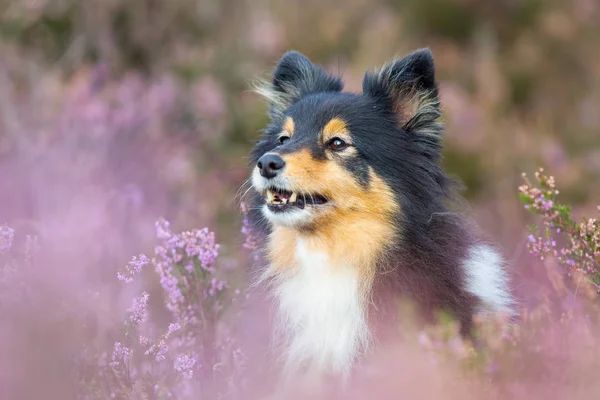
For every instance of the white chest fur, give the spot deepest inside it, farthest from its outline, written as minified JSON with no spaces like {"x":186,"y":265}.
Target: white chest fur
{"x":321,"y":314}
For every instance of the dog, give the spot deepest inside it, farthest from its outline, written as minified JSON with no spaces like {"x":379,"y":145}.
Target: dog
{"x":352,"y":211}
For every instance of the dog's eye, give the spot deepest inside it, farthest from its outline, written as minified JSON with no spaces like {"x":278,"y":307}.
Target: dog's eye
{"x":283,"y":139}
{"x":337,"y":144}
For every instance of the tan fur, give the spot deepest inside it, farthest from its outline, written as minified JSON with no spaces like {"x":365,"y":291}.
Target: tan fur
{"x":336,"y":127}
{"x":412,"y":104}
{"x":415,"y":104}
{"x":288,"y":127}
{"x":353,"y":232}
{"x":281,"y":248}
{"x":408,"y":107}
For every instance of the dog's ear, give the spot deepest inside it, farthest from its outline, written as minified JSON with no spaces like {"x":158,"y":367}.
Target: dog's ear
{"x":295,"y":76}
{"x":408,"y":88}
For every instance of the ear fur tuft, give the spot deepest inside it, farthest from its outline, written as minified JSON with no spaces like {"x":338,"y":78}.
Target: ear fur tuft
{"x":295,"y":76}
{"x":408,"y":87}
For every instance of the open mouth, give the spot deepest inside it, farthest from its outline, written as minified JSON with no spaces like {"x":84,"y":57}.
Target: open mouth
{"x":279,"y":200}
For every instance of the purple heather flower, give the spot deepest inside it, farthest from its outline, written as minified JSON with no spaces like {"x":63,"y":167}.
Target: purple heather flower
{"x":139,"y":309}
{"x":144,"y":341}
{"x":185,"y":364}
{"x":151,"y":350}
{"x":209,"y":250}
{"x":176,"y":259}
{"x":170,"y":286}
{"x":124,"y":278}
{"x":531,"y":238}
{"x":547,"y":204}
{"x":121,"y":354}
{"x":137,"y":265}
{"x":173,"y":328}
{"x":7,"y":235}
{"x":159,"y":351}
{"x":133,"y":267}
{"x":216,"y":286}
{"x":162,"y":350}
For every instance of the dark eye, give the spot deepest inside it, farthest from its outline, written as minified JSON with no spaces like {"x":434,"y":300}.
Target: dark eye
{"x":283,"y":139}
{"x":337,"y":144}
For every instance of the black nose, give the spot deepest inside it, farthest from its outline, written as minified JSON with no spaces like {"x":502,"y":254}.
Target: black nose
{"x":269,"y":164}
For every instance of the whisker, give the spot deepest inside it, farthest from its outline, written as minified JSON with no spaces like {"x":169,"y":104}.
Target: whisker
{"x":245,"y":193}
{"x":246,"y":182}
{"x":312,"y":199}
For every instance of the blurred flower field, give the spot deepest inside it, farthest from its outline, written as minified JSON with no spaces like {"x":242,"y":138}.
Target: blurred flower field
{"x":117,"y":114}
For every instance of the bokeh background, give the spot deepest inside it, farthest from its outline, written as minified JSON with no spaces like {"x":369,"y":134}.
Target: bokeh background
{"x":114,"y":113}
{"x":157,"y":93}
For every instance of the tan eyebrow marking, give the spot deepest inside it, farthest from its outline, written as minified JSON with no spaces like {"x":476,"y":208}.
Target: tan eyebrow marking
{"x":336,"y":127}
{"x":288,"y":126}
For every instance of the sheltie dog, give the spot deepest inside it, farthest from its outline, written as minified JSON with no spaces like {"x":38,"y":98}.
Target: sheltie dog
{"x":352,"y":211}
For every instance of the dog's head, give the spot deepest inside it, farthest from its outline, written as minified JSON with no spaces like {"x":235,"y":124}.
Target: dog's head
{"x":328,"y":154}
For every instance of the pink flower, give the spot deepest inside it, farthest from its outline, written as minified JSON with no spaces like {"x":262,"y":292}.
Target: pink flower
{"x":7,"y":235}
{"x":120,"y":355}
{"x":139,"y":309}
{"x":134,"y":267}
{"x":185,"y":365}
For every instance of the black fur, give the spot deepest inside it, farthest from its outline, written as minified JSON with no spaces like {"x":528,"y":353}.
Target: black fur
{"x":403,"y":146}
{"x":295,"y":77}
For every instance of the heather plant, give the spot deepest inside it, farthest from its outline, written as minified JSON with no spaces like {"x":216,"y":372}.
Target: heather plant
{"x":196,"y":353}
{"x":7,"y":265}
{"x":7,"y":235}
{"x":13,"y":286}
{"x":193,"y":353}
{"x":581,"y":248}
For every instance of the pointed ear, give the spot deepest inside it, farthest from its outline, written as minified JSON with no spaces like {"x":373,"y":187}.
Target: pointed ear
{"x":407,"y":86}
{"x":294,"y":77}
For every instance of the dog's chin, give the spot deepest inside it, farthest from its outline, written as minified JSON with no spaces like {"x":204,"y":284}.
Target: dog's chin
{"x":295,"y":218}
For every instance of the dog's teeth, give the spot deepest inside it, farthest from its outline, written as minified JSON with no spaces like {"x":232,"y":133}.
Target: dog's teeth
{"x":270,"y":197}
{"x":293,"y":197}
{"x":284,"y":200}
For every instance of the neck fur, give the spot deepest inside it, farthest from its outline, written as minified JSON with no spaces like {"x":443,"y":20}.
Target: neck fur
{"x":321,"y":283}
